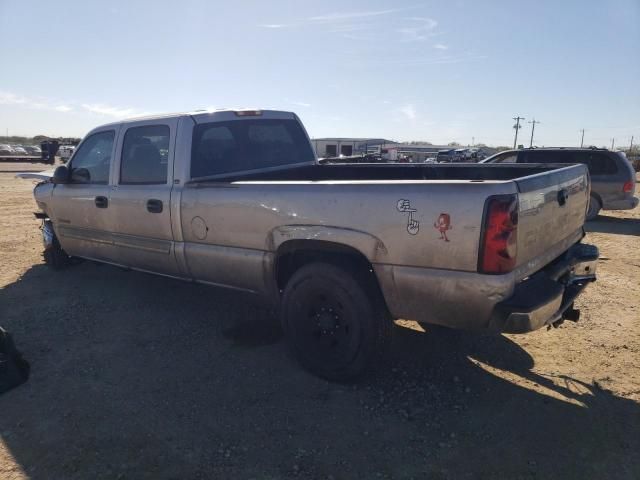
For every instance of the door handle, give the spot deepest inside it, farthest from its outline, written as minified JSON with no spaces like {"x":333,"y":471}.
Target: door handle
{"x":102,"y":202}
{"x":154,"y":206}
{"x":563,"y":195}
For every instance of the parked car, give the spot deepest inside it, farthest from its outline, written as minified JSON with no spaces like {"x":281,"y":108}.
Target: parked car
{"x":476,"y":154}
{"x":17,"y":150}
{"x":340,"y":251}
{"x":613,"y":180}
{"x":65,"y":152}
{"x":6,"y":150}
{"x":462,"y":155}
{"x":33,"y":150}
{"x":446,"y":156}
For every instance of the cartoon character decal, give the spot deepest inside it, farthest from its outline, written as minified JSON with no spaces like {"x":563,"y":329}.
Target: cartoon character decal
{"x":404,"y":206}
{"x":443,"y":224}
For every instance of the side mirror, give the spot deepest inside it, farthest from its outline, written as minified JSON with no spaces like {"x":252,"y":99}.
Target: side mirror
{"x":80,"y":175}
{"x":60,"y":175}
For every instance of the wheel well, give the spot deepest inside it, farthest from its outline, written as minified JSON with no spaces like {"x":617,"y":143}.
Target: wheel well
{"x":294,"y":254}
{"x":597,"y":197}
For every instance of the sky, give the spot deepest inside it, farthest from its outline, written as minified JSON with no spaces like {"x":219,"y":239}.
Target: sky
{"x":437,"y":71}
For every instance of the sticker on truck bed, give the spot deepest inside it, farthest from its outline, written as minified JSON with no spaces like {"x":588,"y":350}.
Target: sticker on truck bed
{"x":404,"y":206}
{"x":442,"y":224}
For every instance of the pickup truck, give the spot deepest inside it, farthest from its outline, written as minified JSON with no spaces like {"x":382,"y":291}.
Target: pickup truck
{"x":237,"y":199}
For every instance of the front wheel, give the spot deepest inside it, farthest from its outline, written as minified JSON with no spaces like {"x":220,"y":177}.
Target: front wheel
{"x":594,"y":208}
{"x":332,"y":322}
{"x":54,"y":256}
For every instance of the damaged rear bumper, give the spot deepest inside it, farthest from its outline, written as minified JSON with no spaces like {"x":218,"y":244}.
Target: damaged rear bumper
{"x":546,"y":298}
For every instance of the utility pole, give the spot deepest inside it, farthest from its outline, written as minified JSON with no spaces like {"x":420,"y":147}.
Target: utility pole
{"x":582,"y":139}
{"x":533,"y":128}
{"x":473,"y":141}
{"x":517,"y":127}
{"x":613,"y":141}
{"x":631,"y":144}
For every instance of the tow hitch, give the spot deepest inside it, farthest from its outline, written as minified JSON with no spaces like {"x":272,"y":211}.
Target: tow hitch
{"x":571,"y":314}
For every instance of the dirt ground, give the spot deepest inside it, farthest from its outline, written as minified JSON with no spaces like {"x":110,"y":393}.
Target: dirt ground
{"x":136,"y":376}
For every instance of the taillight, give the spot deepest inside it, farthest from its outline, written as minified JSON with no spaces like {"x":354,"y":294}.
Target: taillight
{"x":500,"y":235}
{"x":627,"y":187}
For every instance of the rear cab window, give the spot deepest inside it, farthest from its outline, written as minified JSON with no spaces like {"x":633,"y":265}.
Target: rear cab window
{"x":236,"y":146}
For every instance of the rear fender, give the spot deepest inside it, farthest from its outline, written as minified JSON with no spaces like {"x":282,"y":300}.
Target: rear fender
{"x":370,"y":246}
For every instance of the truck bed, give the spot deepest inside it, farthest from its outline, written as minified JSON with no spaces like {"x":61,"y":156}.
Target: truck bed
{"x":391,"y":171}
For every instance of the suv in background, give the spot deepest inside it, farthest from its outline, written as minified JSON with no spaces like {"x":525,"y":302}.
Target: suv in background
{"x":613,"y":179}
{"x":446,"y":155}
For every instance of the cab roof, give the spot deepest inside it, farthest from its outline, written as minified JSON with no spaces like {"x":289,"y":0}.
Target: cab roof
{"x":201,"y":116}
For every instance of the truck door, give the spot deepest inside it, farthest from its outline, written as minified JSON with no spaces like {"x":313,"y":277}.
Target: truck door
{"x":140,"y":197}
{"x":80,"y":209}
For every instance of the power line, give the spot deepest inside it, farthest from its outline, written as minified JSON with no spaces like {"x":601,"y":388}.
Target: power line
{"x":517,"y":127}
{"x":533,"y":128}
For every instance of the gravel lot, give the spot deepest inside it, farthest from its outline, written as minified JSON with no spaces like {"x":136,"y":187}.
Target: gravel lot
{"x":136,"y":376}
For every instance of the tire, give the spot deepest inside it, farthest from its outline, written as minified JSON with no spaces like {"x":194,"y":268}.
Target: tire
{"x":55,"y":257}
{"x":334,"y":324}
{"x":594,"y":208}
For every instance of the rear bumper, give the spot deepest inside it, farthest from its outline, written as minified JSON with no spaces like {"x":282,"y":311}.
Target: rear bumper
{"x":547,"y":296}
{"x":624,"y":204}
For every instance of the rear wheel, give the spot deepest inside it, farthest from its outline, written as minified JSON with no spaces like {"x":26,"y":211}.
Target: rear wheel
{"x":594,"y":208}
{"x":333,"y":322}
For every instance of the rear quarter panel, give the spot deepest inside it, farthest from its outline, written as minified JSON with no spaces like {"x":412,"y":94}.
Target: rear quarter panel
{"x":253,"y":218}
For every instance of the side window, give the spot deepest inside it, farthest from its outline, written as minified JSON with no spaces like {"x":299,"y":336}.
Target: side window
{"x":91,"y":162}
{"x":145,"y":154}
{"x":597,"y":163}
{"x":510,"y":157}
{"x":547,"y":156}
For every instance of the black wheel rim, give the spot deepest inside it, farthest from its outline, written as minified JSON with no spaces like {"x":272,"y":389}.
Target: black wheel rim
{"x":326,"y":329}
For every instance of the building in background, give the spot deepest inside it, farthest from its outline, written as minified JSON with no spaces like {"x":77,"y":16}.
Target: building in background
{"x":334,"y":147}
{"x":394,"y":151}
{"x":420,"y":152}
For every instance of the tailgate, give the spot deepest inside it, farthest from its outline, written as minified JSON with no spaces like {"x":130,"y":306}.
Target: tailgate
{"x":552,"y":207}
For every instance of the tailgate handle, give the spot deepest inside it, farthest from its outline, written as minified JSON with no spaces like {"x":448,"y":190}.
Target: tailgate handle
{"x":562,"y":196}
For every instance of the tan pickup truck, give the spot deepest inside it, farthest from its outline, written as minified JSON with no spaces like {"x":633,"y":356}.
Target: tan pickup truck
{"x":236,"y":199}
